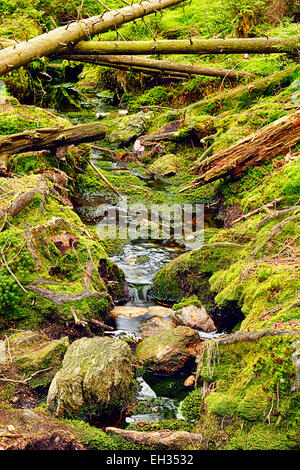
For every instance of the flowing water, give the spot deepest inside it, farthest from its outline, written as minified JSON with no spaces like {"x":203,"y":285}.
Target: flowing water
{"x":140,"y":260}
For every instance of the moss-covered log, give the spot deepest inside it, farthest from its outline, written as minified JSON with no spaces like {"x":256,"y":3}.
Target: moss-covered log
{"x":278,"y":138}
{"x":48,"y":43}
{"x":191,"y":46}
{"x":164,"y":439}
{"x":160,"y":65}
{"x":47,"y":138}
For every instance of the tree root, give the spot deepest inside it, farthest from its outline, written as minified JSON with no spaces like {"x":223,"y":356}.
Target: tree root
{"x":59,"y":298}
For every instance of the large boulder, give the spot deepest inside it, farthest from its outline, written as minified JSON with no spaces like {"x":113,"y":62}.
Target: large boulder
{"x":194,"y":317}
{"x":168,"y":351}
{"x":96,"y":378}
{"x":166,"y":166}
{"x":154,"y":326}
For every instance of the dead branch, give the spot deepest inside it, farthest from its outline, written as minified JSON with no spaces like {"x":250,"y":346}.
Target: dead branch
{"x":276,"y":229}
{"x":256,"y":211}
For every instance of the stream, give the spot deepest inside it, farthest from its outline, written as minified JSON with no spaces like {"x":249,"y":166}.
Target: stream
{"x":159,"y":397}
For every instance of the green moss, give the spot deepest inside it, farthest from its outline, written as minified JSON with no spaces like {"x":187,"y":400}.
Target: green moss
{"x":255,"y":404}
{"x":264,"y":293}
{"x":192,"y":406}
{"x":192,"y":300}
{"x":265,"y":437}
{"x":171,"y":424}
{"x":96,"y":439}
{"x":221,"y":404}
{"x":49,"y":356}
{"x":190,"y":273}
{"x":18,"y":119}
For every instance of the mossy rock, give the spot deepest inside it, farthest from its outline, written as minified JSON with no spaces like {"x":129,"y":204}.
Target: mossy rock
{"x":189,"y":273}
{"x":166,"y":166}
{"x":123,"y":130}
{"x":51,"y":266}
{"x":95,"y":378}
{"x":49,"y":356}
{"x":168,"y":351}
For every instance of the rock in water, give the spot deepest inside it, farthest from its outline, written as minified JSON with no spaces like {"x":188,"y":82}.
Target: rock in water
{"x":155,"y":326}
{"x":166,"y":166}
{"x":96,"y":378}
{"x":168,"y":351}
{"x":195,"y":317}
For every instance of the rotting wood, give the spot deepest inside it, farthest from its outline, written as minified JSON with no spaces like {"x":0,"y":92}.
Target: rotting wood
{"x":269,"y":142}
{"x":48,"y":138}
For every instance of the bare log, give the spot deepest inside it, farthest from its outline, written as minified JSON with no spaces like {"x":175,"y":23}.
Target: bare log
{"x":164,"y":439}
{"x":48,"y":138}
{"x":160,"y":65}
{"x":54,"y":41}
{"x":273,"y":140}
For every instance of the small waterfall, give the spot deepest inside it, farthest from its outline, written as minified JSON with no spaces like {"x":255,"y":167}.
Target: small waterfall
{"x":139,"y":293}
{"x":134,"y":293}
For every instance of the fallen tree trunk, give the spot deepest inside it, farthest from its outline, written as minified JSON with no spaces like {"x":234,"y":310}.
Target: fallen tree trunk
{"x":190,"y":46}
{"x":271,"y":141}
{"x":54,"y":41}
{"x":47,"y":138}
{"x":164,"y":439}
{"x":130,"y":68}
{"x":240,"y":336}
{"x":161,"y":65}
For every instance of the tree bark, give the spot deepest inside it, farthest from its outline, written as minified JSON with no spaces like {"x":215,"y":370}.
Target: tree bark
{"x":271,"y":141}
{"x":48,"y":138}
{"x":160,"y":65}
{"x":190,"y":46}
{"x":54,"y":41}
{"x":164,"y":439}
